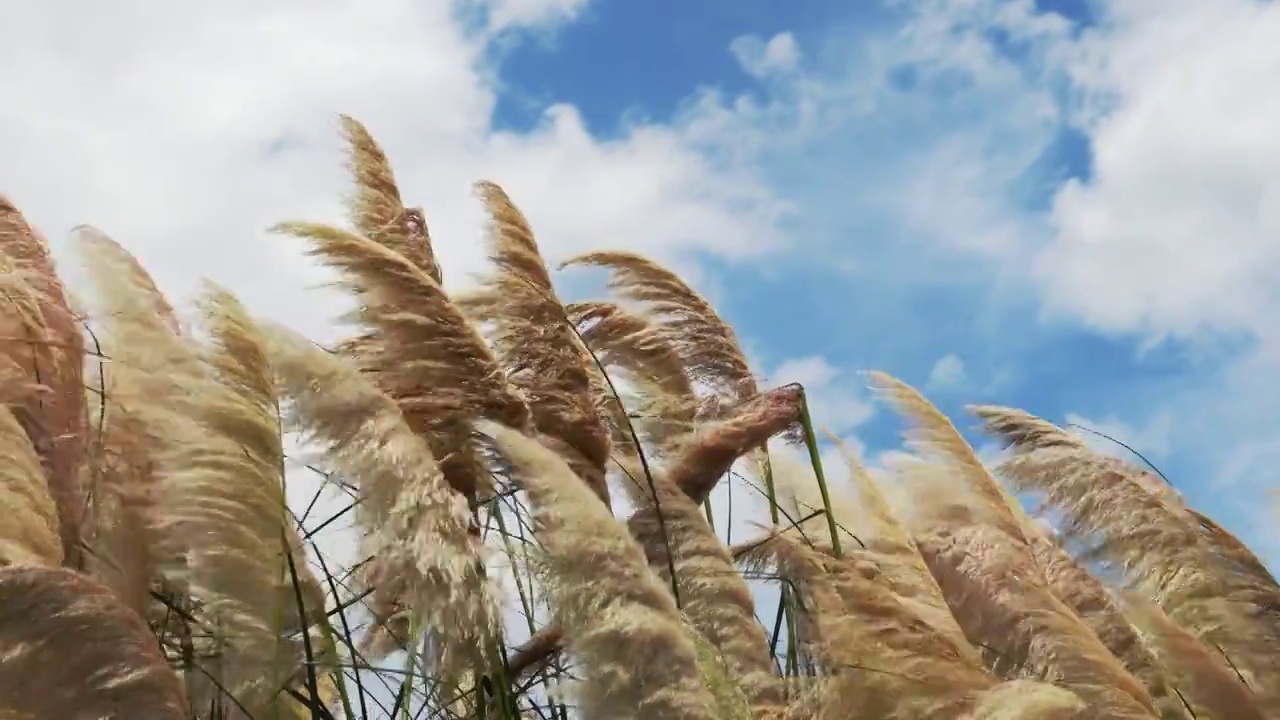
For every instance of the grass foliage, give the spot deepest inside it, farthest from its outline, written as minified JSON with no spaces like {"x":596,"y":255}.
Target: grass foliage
{"x":527,"y":487}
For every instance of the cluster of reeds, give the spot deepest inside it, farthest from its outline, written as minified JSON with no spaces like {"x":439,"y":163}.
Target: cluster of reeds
{"x":503,"y":448}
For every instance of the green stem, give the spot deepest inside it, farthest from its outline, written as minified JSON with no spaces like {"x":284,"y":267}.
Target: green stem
{"x":815,"y":458}
{"x":793,"y":652}
{"x":769,"y":488}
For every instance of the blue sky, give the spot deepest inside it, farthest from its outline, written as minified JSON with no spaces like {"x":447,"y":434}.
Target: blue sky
{"x":1065,"y":205}
{"x":865,"y":287}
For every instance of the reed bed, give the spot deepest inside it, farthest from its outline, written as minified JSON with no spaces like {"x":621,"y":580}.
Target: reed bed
{"x":526,"y":486}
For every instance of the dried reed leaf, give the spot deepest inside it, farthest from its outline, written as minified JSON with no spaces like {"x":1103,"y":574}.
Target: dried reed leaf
{"x":706,"y":455}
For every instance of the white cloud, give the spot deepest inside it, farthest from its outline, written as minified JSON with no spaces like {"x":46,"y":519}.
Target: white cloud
{"x":836,"y":400}
{"x":948,"y":372}
{"x":185,"y":130}
{"x":505,"y":14}
{"x":1176,"y":232}
{"x":1151,"y":439}
{"x":762,"y":59}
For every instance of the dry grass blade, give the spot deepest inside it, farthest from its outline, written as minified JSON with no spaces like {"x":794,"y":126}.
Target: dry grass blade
{"x":1094,"y":604}
{"x":707,"y":344}
{"x":1213,"y":689}
{"x":377,"y":209}
{"x":426,"y":569}
{"x":69,"y":650}
{"x":621,"y":622}
{"x":541,"y":350}
{"x":421,"y":350}
{"x":52,"y":355}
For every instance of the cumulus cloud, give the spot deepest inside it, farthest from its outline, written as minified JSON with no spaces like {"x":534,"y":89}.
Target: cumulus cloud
{"x":836,"y":400}
{"x":948,"y":372}
{"x":761,"y":59}
{"x":1175,"y":231}
{"x":507,"y":14}
{"x":184,"y":131}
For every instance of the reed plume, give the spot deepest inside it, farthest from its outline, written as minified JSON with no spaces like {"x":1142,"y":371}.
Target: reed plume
{"x":933,"y":437}
{"x":632,"y":343}
{"x":543,"y":355}
{"x":621,"y":623}
{"x":42,"y":337}
{"x":1001,"y":600}
{"x":69,"y":650}
{"x":425,"y":565}
{"x":30,"y":535}
{"x":695,"y":470}
{"x":879,"y":658}
{"x":882,"y":546}
{"x":420,"y":349}
{"x":1095,"y":605}
{"x":977,"y":542}
{"x":674,"y":534}
{"x":376,"y":208}
{"x":1210,"y":686}
{"x":1200,"y":579}
{"x":707,"y":344}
